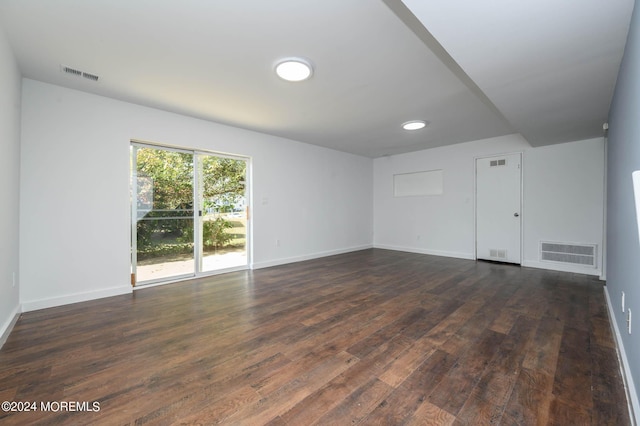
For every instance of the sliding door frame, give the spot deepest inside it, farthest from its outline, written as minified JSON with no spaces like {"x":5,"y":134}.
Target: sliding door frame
{"x":198,"y":251}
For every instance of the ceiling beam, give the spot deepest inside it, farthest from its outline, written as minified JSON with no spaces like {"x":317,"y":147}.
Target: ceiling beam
{"x":415,"y":25}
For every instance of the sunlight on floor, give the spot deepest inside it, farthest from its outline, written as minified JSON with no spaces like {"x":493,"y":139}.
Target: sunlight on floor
{"x":185,"y":267}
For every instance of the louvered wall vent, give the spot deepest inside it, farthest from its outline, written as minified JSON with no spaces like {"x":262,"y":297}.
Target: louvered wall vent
{"x":575,"y":254}
{"x":78,"y":73}
{"x":500,"y":254}
{"x":496,"y":163}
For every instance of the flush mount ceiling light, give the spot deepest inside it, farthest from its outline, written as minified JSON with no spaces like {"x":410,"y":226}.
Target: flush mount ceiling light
{"x":294,"y":69}
{"x":414,"y":125}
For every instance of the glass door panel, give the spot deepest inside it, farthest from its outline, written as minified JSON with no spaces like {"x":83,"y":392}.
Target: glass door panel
{"x":163,"y":183}
{"x":223,"y":212}
{"x":166,"y":185}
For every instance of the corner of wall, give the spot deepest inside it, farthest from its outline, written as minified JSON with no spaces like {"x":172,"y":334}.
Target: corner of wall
{"x":10,"y":106}
{"x":623,"y":251}
{"x":7,"y":327}
{"x":625,"y":367}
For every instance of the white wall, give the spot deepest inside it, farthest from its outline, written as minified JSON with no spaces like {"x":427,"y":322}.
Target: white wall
{"x":623,"y":245}
{"x":563,"y":198}
{"x":74,"y":230}
{"x":74,"y":225}
{"x":10,"y":81}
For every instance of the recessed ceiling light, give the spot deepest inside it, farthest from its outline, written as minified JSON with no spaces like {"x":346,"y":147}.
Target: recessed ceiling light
{"x":414,"y":125}
{"x":294,"y":69}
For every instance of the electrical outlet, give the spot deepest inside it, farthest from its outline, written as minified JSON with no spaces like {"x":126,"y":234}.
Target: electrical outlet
{"x":623,"y":301}
{"x":13,"y":280}
{"x":277,"y":243}
{"x":629,"y":320}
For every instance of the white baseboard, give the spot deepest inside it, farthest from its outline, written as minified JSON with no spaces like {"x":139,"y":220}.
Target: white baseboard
{"x":457,"y":255}
{"x":318,"y":255}
{"x":32,"y":305}
{"x":553,"y":266}
{"x":630,"y":387}
{"x":8,"y":325}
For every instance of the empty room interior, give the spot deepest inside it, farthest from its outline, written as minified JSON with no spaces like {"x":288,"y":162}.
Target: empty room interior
{"x":303,"y":212}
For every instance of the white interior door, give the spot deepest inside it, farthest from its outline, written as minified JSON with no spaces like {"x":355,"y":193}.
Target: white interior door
{"x":498,"y":208}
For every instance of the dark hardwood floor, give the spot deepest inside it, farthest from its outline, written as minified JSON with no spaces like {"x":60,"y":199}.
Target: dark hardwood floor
{"x":371,"y":337}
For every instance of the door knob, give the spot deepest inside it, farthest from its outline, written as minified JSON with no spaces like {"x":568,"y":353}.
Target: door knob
{"x":516,"y":214}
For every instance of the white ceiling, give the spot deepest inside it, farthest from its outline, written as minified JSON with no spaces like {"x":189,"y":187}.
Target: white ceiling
{"x":473,"y":69}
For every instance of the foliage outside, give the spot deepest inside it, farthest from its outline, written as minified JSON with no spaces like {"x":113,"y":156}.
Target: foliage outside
{"x":165,"y":201}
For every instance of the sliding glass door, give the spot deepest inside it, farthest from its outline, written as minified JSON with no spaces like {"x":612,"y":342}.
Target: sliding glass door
{"x":188,"y":213}
{"x":222,"y":212}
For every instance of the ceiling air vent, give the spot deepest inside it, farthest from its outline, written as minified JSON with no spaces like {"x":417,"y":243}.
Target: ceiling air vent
{"x":90,"y":76}
{"x":71,"y":71}
{"x":78,"y":73}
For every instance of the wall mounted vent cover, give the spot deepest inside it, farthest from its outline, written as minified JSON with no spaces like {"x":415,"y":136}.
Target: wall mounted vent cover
{"x":575,"y":254}
{"x":498,"y":254}
{"x":496,"y":163}
{"x":78,"y":73}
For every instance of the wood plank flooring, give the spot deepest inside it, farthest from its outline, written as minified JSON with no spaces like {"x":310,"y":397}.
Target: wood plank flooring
{"x":370,"y":337}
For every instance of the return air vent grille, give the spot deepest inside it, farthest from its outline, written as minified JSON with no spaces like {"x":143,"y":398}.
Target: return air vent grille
{"x":78,"y":73}
{"x":575,"y":254}
{"x":496,"y":163}
{"x":498,"y":254}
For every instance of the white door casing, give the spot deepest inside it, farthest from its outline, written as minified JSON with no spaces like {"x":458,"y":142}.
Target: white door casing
{"x":498,"y":208}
